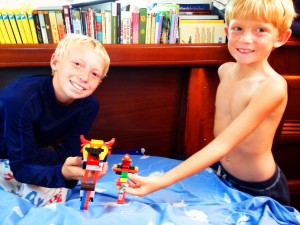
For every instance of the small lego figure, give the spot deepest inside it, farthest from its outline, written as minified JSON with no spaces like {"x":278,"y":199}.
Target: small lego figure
{"x":122,"y":182}
{"x":94,"y":153}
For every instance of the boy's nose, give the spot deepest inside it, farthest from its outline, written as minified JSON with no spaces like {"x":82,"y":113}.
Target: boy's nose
{"x":84,"y":76}
{"x":246,"y":37}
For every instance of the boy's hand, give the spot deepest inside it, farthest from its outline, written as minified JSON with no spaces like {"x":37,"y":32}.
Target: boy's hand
{"x":141,"y":186}
{"x":72,"y":169}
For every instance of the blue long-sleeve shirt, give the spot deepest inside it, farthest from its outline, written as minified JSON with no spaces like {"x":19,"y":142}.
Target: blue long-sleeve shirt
{"x":37,"y":133}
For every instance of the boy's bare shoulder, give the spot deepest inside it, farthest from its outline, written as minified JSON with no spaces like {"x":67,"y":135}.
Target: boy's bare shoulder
{"x":225,"y":68}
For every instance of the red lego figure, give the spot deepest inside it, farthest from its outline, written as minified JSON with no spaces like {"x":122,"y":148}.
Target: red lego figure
{"x":94,"y":153}
{"x":122,"y":182}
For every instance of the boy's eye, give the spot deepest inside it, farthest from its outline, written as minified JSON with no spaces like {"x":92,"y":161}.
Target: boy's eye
{"x":260,"y":30}
{"x":237,"y":28}
{"x":95,"y":74}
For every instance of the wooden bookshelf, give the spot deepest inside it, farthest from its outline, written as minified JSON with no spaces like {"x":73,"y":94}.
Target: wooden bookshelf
{"x":161,"y":97}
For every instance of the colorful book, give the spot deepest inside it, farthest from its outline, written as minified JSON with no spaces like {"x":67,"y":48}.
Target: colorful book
{"x":48,"y":26}
{"x":198,"y":17}
{"x":102,"y":11}
{"x":135,"y":27}
{"x":60,"y":24}
{"x":158,"y":27}
{"x":14,"y":26}
{"x":143,"y":21}
{"x":119,"y":23}
{"x":8,"y":27}
{"x":38,"y":30}
{"x":76,"y":20}
{"x":152,"y":28}
{"x":20,"y":27}
{"x":43,"y":27}
{"x":3,"y":31}
{"x":202,"y":31}
{"x":53,"y":26}
{"x":67,"y":19}
{"x":98,"y":26}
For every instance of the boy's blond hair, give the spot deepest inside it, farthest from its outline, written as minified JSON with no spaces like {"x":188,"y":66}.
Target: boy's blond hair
{"x":71,"y":40}
{"x":278,"y":12}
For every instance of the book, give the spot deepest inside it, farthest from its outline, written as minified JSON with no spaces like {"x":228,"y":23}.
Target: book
{"x":32,"y":25}
{"x":53,"y":26}
{"x":126,"y":17}
{"x":135,"y":27}
{"x":202,"y":31}
{"x":67,"y":19}
{"x":76,"y":20}
{"x":81,"y":4}
{"x":20,"y":27}
{"x":98,"y":23}
{"x":119,"y":22}
{"x":108,"y":26}
{"x":198,"y":17}
{"x":114,"y":23}
{"x":8,"y":27}
{"x":38,"y":30}
{"x":152,"y":28}
{"x":60,"y":24}
{"x":26,"y":26}
{"x":14,"y":26}
{"x":158,"y":27}
{"x":143,"y":21}
{"x":43,"y":27}
{"x":48,"y":26}
{"x":4,"y":31}
{"x":102,"y":11}
{"x":173,"y":27}
{"x":148,"y":27}
{"x":2,"y":40}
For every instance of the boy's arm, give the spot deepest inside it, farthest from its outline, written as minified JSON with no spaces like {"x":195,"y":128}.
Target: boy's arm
{"x":267,"y":99}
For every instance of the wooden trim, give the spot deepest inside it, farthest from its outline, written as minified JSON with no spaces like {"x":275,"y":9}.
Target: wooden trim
{"x":123,"y":55}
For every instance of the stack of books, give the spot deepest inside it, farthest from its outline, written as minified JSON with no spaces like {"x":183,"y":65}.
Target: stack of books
{"x":114,"y":22}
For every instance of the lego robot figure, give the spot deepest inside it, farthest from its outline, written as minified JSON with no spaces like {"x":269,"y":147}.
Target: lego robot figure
{"x":122,"y":182}
{"x":94,"y":153}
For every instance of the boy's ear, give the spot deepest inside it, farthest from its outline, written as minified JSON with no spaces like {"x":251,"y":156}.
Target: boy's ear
{"x":283,"y":38}
{"x":53,"y":62}
{"x":226,"y":31}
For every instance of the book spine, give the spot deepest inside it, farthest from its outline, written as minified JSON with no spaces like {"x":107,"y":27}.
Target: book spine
{"x":32,"y":27}
{"x":135,"y":27}
{"x":53,"y":24}
{"x":3,"y":31}
{"x":98,"y":18}
{"x":108,"y":27}
{"x":152,"y":32}
{"x":2,"y":40}
{"x":119,"y":23}
{"x":126,"y":27}
{"x":37,"y":26}
{"x":67,"y":18}
{"x":48,"y":26}
{"x":148,"y":28}
{"x":143,"y":21}
{"x":60,"y":24}
{"x":43,"y":27}
{"x":76,"y":21}
{"x":24,"y":20}
{"x":20,"y":27}
{"x":104,"y":41}
{"x":14,"y":26}
{"x":114,"y":23}
{"x":8,"y":28}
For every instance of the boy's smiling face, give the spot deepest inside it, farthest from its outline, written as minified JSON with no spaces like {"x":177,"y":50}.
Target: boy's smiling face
{"x":251,"y":41}
{"x":78,"y":74}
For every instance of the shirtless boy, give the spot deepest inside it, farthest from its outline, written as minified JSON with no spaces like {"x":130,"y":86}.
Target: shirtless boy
{"x":251,"y":99}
